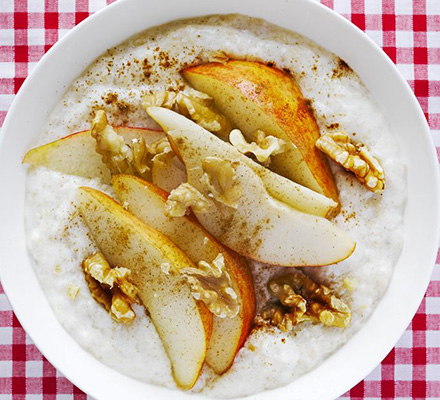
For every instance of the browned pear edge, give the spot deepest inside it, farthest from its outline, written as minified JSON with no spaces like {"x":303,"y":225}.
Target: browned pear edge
{"x":176,"y":150}
{"x":265,"y":83}
{"x":237,"y":266}
{"x":27,"y":159}
{"x":205,"y":315}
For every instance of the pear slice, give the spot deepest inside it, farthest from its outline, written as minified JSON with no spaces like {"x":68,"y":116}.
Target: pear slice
{"x":269,"y":231}
{"x":147,"y":202}
{"x":205,"y":144}
{"x":260,"y":227}
{"x":75,"y":154}
{"x":255,"y":96}
{"x":183,"y":324}
{"x":169,"y":175}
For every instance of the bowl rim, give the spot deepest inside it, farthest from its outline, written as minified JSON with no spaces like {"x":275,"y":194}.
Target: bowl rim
{"x":97,"y":387}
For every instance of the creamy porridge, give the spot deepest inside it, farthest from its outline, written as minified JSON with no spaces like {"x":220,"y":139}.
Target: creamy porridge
{"x":117,"y":83}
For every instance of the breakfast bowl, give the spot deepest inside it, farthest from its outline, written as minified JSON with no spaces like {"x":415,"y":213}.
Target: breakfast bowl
{"x":64,"y":62}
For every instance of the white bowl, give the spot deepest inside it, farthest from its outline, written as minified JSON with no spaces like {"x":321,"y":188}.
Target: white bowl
{"x":68,"y":58}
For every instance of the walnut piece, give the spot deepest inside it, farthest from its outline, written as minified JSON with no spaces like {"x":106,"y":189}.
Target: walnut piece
{"x":120,"y":309}
{"x":110,"y":287}
{"x":220,"y":181}
{"x":166,"y":268}
{"x":100,"y":294}
{"x":192,"y":104}
{"x":278,"y":316}
{"x":118,"y":156}
{"x":356,"y":158}
{"x":300,"y":299}
{"x":218,"y":56}
{"x":183,"y":197}
{"x":262,"y":148}
{"x":211,"y":283}
{"x":72,"y":291}
{"x":161,"y":152}
{"x":140,"y":158}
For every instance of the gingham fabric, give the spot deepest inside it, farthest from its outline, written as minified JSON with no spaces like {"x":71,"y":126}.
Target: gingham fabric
{"x":408,"y":31}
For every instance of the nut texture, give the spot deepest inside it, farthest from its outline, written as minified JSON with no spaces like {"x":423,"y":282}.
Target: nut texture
{"x":110,"y":287}
{"x":192,"y":104}
{"x":211,"y":283}
{"x":161,"y":152}
{"x":220,"y":181}
{"x":262,"y":148}
{"x":299,"y":298}
{"x":72,"y":291}
{"x":183,"y":197}
{"x":118,"y":156}
{"x":218,"y":56}
{"x":356,"y":158}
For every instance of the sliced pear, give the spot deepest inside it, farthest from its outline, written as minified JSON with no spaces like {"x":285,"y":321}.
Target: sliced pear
{"x":259,"y":227}
{"x":169,"y":175}
{"x":255,"y":96}
{"x":183,"y":324}
{"x":269,"y":231}
{"x":147,"y":202}
{"x":204,"y":144}
{"x":75,"y":154}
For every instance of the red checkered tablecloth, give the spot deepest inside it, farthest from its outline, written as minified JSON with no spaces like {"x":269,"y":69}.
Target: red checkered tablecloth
{"x":408,"y":31}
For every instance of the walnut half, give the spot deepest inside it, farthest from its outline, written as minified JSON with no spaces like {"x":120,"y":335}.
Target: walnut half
{"x":300,"y":299}
{"x":356,"y":158}
{"x":211,"y":283}
{"x":218,"y":56}
{"x":262,"y":148}
{"x":192,"y":104}
{"x":219,"y":179}
{"x":182,"y":198}
{"x":110,"y":287}
{"x":119,"y":157}
{"x":161,"y":152}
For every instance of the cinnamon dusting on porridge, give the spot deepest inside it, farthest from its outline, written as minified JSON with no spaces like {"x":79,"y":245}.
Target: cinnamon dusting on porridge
{"x":243,"y":252}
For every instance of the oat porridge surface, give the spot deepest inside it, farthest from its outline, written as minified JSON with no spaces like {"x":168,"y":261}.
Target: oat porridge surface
{"x":117,"y":82}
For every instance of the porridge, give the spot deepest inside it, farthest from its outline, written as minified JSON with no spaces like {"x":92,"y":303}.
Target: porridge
{"x":286,"y":339}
